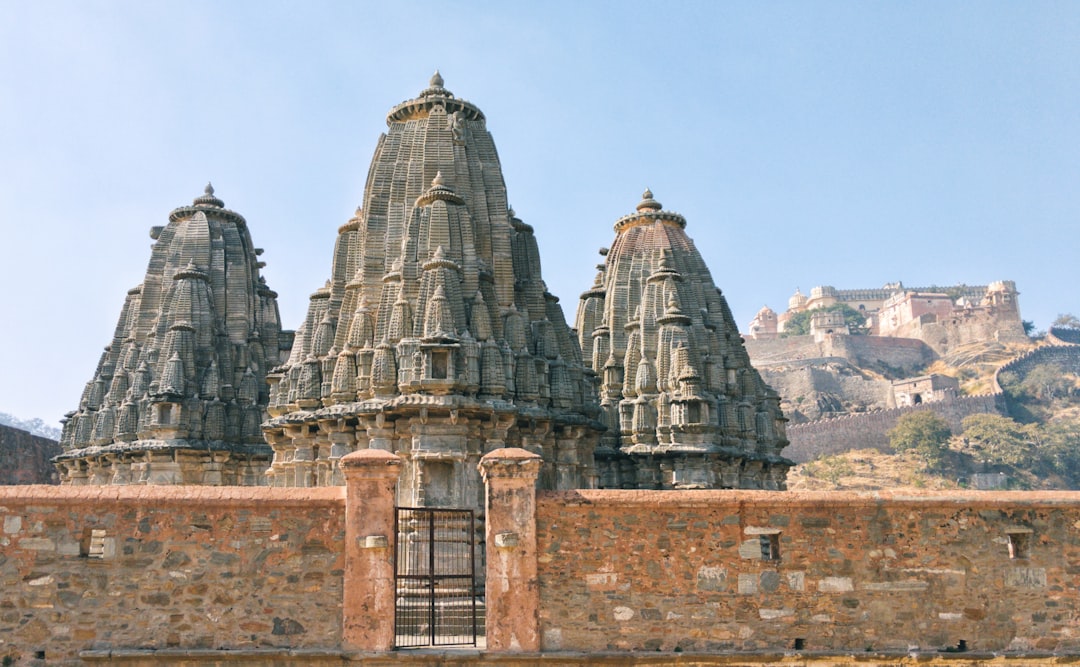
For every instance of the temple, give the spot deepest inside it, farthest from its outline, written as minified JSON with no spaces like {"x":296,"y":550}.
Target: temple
{"x":180,"y":392}
{"x":684,"y":409}
{"x":435,"y":337}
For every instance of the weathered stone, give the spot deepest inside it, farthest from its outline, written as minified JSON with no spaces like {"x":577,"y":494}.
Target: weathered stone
{"x":179,"y":393}
{"x":435,"y":336}
{"x":683,"y":407}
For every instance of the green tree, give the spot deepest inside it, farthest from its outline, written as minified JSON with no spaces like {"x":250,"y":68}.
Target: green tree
{"x":1059,"y":446}
{"x":999,"y":440}
{"x":799,"y":323}
{"x":924,"y":432}
{"x":1046,"y":382}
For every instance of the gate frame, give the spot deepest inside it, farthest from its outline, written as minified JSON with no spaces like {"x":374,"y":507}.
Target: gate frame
{"x":430,"y":580}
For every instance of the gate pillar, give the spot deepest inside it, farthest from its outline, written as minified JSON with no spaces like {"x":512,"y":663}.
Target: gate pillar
{"x":512,"y":590}
{"x":368,"y":601}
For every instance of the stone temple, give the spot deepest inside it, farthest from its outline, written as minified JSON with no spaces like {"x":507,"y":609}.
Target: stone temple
{"x":436,"y":339}
{"x":682,"y":404}
{"x":180,"y":392}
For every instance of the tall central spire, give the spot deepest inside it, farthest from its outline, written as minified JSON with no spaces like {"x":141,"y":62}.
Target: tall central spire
{"x":435,"y":336}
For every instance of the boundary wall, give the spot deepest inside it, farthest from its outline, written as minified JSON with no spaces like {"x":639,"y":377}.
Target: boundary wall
{"x":722,"y":571}
{"x":274,"y":576}
{"x":26,"y":458}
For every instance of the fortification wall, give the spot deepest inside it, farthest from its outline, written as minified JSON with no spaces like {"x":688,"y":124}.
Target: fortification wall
{"x":179,"y":567}
{"x":1066,"y":357}
{"x":902,"y":354}
{"x":1064,"y":335}
{"x":666,"y":571}
{"x":782,"y":350}
{"x":966,"y":326}
{"x":804,"y":384}
{"x":905,"y":355}
{"x":870,"y":430}
{"x":24,"y":457}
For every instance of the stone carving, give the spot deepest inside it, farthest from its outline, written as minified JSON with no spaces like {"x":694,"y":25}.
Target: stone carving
{"x":180,"y":391}
{"x":683,"y":406}
{"x":435,"y":337}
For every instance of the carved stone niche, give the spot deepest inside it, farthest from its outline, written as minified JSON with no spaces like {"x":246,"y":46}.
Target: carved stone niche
{"x":440,"y":367}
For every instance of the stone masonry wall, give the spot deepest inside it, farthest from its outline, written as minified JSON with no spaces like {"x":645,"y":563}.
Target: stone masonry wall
{"x":1066,"y":357}
{"x":870,"y":430}
{"x":174,"y":567}
{"x":668,"y":571}
{"x":902,"y":354}
{"x":25,"y":458}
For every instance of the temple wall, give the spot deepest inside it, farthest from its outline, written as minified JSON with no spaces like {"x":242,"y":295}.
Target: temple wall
{"x":209,"y":575}
{"x":670,"y":571}
{"x":870,"y":430}
{"x":179,"y":567}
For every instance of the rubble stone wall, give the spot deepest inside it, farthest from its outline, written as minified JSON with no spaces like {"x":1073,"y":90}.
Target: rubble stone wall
{"x":1066,"y":357}
{"x":870,"y":430}
{"x":168,"y":567}
{"x":902,"y":354}
{"x":25,"y":458}
{"x":669,"y":571}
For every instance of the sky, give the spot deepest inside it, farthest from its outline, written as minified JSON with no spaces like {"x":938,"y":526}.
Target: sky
{"x":807,"y":143}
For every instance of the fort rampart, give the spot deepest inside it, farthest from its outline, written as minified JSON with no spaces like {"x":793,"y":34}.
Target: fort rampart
{"x":870,"y":430}
{"x":203,"y":575}
{"x":1066,"y":357}
{"x":902,"y":354}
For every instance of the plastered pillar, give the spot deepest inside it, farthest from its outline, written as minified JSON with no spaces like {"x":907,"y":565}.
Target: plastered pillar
{"x":368,"y":606}
{"x":513,"y":595}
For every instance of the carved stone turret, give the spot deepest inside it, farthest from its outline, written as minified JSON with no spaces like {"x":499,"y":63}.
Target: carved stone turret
{"x":684,"y":408}
{"x":435,"y":337}
{"x":180,"y":391}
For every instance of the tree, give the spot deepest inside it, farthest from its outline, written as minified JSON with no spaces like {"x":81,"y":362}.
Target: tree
{"x":1029,"y":326}
{"x":1066,"y":320}
{"x":924,"y":432}
{"x":1045,"y":382}
{"x":799,"y":323}
{"x":995,"y":439}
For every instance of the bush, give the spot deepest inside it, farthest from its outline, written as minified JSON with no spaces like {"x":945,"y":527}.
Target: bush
{"x":994,"y":439}
{"x":924,"y":432}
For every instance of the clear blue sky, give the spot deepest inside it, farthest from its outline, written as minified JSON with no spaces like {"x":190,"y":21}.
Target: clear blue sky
{"x":807,"y":143}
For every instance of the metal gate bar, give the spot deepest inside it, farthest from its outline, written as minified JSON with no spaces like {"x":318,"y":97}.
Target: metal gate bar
{"x":434,"y":578}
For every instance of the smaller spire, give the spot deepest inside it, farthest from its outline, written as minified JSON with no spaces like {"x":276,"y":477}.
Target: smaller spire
{"x":438,"y":180}
{"x":436,"y":80}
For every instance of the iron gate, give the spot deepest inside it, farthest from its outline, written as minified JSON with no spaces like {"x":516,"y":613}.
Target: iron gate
{"x":434,"y":577}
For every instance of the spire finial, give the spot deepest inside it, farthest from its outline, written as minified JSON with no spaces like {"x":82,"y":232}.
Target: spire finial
{"x":436,"y":80}
{"x":647,"y":202}
{"x":438,"y":180}
{"x":208,"y":198}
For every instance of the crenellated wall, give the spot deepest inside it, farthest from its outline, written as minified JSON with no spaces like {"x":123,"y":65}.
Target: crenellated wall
{"x":870,"y":430}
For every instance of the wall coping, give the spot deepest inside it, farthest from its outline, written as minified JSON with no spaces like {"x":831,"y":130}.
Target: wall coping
{"x":814,"y":499}
{"x":152,"y":496}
